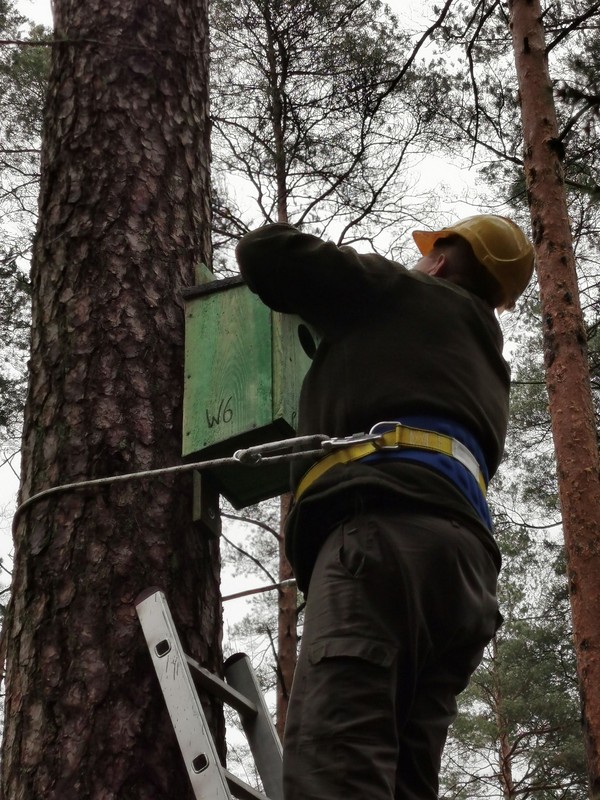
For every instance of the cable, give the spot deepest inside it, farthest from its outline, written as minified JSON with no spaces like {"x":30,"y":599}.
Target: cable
{"x":251,"y":457}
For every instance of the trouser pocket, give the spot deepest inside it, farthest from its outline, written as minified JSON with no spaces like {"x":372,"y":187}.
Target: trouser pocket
{"x":348,"y":688}
{"x":341,"y":740}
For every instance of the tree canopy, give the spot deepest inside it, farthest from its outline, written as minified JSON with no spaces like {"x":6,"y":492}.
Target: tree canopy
{"x":304,"y":131}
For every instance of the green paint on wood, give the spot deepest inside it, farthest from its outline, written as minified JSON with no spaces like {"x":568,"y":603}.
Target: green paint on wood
{"x":228,"y":368}
{"x":244,"y":366}
{"x":290,"y":363}
{"x":202,"y":274}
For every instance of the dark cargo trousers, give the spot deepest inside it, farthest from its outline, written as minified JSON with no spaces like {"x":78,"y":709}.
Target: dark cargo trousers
{"x":399,"y":611}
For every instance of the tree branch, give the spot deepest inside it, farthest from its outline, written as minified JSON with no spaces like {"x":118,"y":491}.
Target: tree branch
{"x":259,"y":523}
{"x":252,"y":558}
{"x":575,"y":23}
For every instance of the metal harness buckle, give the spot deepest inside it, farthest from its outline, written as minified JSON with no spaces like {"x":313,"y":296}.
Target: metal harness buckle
{"x":388,"y":428}
{"x":341,"y":442}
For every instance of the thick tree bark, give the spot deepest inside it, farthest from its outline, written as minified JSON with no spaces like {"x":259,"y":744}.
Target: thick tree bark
{"x":124,"y":216}
{"x":565,"y":353}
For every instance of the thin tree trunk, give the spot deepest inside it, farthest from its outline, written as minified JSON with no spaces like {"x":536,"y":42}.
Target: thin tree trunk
{"x":124,"y":215}
{"x":566,"y":361}
{"x":277,"y":80}
{"x":504,"y":749}
{"x":287,"y":631}
{"x":287,"y":616}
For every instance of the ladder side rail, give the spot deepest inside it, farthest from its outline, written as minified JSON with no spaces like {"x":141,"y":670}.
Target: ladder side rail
{"x":187,"y":716}
{"x":259,"y":729}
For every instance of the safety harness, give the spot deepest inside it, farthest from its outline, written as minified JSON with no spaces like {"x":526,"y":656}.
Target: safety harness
{"x":390,"y":436}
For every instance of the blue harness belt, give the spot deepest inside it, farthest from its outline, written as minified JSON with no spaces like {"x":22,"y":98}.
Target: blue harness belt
{"x":447,"y":466}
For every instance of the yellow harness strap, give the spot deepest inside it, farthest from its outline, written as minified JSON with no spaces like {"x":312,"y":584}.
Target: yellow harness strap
{"x":400,"y":437}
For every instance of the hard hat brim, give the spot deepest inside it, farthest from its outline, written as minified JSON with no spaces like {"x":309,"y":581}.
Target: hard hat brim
{"x":425,"y":240}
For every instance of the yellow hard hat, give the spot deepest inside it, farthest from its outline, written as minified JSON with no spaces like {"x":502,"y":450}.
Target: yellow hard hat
{"x":498,"y":243}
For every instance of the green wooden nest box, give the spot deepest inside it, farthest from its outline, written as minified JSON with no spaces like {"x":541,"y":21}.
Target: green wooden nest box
{"x":244,"y":366}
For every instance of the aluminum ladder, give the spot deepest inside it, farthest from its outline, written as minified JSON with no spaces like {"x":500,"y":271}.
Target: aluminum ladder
{"x":180,"y":677}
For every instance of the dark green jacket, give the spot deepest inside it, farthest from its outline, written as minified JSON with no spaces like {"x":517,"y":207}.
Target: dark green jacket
{"x":395,"y":343}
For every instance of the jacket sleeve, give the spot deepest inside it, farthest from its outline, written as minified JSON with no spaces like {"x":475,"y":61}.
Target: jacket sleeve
{"x":297,"y":273}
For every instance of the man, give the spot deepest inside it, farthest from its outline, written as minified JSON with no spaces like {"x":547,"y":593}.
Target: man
{"x":392,"y":539}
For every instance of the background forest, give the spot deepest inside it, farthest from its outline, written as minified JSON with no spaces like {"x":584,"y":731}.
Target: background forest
{"x":358,"y":122}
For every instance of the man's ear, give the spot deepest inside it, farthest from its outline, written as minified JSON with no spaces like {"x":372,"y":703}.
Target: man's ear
{"x":438,"y":267}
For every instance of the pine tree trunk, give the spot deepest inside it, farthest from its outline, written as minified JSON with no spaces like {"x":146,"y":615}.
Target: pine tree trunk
{"x":124,"y":216}
{"x":276,"y":79}
{"x":566,"y":361}
{"x":505,"y":775}
{"x":287,"y":630}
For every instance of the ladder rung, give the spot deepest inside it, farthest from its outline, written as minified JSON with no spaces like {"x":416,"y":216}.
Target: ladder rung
{"x":211,"y":683}
{"x":242,"y":790}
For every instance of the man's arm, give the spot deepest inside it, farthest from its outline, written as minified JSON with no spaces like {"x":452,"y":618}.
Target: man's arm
{"x":297,"y":273}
